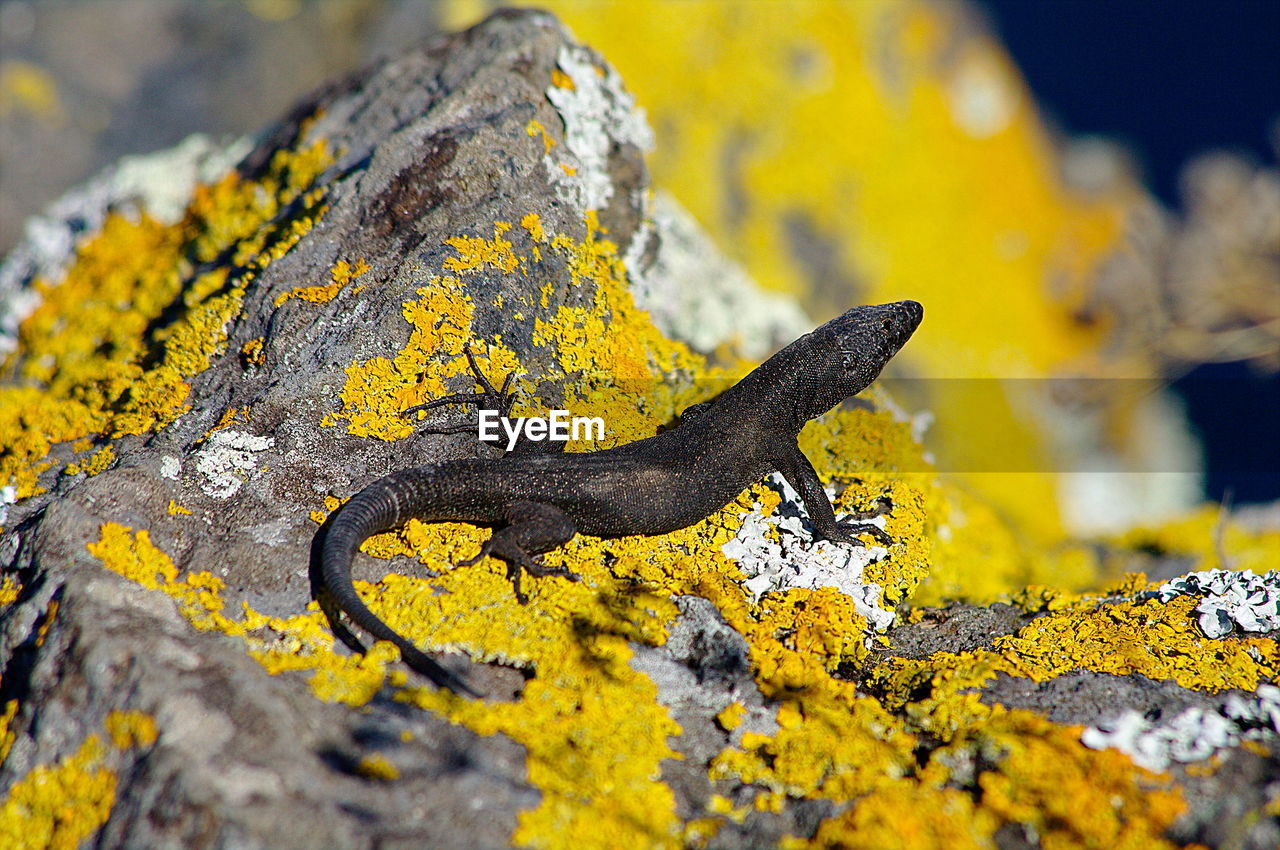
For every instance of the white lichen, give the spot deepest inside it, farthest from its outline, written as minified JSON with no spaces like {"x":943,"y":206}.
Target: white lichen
{"x":226,"y":461}
{"x":1230,"y":599}
{"x":983,"y":98}
{"x":272,"y":533}
{"x":1193,"y":735}
{"x":777,"y":553}
{"x":598,"y":112}
{"x":8,"y":496}
{"x":699,"y":296}
{"x":160,"y":183}
{"x":170,"y":467}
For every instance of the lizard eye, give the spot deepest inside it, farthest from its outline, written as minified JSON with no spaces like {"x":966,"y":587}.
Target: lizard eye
{"x":848,"y":360}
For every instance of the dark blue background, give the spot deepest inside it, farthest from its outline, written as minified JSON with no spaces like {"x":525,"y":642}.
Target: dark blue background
{"x":1170,"y":79}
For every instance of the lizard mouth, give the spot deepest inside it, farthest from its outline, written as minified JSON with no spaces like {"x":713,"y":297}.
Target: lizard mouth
{"x":913,"y":311}
{"x":903,"y":319}
{"x":890,"y":324}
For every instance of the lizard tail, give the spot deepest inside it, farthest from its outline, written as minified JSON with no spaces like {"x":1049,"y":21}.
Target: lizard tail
{"x":373,"y":510}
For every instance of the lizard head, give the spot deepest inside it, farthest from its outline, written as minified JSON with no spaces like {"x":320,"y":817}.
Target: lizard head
{"x":849,"y":351}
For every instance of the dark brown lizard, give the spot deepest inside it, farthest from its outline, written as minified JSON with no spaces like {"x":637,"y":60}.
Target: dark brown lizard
{"x":652,"y":486}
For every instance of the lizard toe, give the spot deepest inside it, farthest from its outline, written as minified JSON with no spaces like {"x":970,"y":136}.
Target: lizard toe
{"x":851,"y":529}
{"x":477,"y":558}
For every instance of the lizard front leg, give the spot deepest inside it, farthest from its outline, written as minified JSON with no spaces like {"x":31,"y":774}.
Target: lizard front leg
{"x":802,"y":477}
{"x":532,"y":528}
{"x":490,"y":397}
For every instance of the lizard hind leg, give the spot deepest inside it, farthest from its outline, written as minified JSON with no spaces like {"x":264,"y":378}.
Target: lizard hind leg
{"x":532,"y":528}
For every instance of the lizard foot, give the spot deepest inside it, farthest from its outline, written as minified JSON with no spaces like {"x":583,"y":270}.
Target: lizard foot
{"x":883,"y":506}
{"x":849,"y":531}
{"x":489,"y":398}
{"x":519,"y":562}
{"x":536,"y":568}
{"x":515,"y":566}
{"x":479,"y":556}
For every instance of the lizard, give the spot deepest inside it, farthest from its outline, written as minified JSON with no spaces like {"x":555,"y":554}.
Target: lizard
{"x":538,"y":501}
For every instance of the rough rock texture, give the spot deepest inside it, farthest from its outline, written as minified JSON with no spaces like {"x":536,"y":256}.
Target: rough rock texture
{"x":487,"y":187}
{"x":425,"y":147}
{"x":956,"y":628}
{"x":245,"y":759}
{"x":426,"y":151}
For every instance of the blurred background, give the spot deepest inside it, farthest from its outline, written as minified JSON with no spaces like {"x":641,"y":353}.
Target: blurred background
{"x":1080,"y":192}
{"x":1173,"y":83}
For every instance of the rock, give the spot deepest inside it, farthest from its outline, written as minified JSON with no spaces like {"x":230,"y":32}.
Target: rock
{"x":427,"y":145}
{"x":422,"y":147}
{"x":243,"y":759}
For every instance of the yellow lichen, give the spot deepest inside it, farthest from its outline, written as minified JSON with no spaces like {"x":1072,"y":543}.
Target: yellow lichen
{"x":376,"y":766}
{"x":230,"y":416}
{"x":561,"y":80}
{"x":699,"y":831}
{"x":57,"y":807}
{"x":341,"y":274}
{"x":721,"y":805}
{"x":378,"y":390}
{"x":593,"y":729}
{"x":301,"y":642}
{"x":476,"y":252}
{"x":1071,"y":796}
{"x":353,"y":683}
{"x":99,"y":462}
{"x":46,"y":622}
{"x":251,"y":352}
{"x":331,"y":504}
{"x":1159,"y":640}
{"x":904,"y":815}
{"x":731,"y":716}
{"x":92,"y":360}
{"x":533,"y":224}
{"x":836,"y":745}
{"x":130,"y":729}
{"x":10,"y":588}
{"x":61,"y":805}
{"x":177,"y":510}
{"x":535,"y":129}
{"x":136,"y":558}
{"x":7,"y":736}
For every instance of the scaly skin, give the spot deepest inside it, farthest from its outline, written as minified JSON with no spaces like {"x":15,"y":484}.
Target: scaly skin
{"x":651,"y":486}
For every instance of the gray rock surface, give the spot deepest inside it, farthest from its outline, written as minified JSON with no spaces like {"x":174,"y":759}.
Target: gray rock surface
{"x":956,"y":628}
{"x":431,"y":143}
{"x":245,"y":759}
